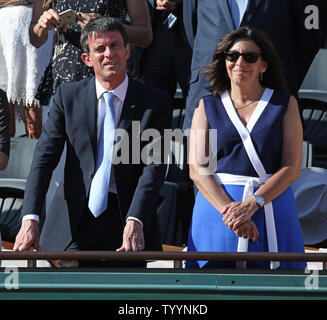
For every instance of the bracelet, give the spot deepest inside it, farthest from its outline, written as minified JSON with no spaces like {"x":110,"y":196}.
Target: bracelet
{"x":25,"y":1}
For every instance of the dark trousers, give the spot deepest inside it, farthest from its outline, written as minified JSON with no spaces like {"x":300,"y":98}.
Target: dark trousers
{"x":104,"y":233}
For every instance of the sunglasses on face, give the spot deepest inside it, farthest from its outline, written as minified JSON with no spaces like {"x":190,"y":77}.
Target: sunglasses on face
{"x":249,"y":57}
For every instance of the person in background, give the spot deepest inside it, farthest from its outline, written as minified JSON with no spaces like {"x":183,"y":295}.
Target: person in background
{"x":245,"y":203}
{"x":4,"y":131}
{"x":109,"y":206}
{"x":4,"y":136}
{"x":323,"y":21}
{"x":167,"y":60}
{"x":21,"y":65}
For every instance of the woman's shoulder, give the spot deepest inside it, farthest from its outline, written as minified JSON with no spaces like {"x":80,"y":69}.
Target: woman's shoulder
{"x":212,"y":109}
{"x":281,"y":98}
{"x":210,"y":98}
{"x":282,"y":93}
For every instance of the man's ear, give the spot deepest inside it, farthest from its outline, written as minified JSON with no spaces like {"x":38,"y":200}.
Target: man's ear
{"x":128,"y":51}
{"x":86,"y":58}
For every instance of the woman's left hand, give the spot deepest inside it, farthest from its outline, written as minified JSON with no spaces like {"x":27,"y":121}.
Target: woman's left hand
{"x":248,"y":230}
{"x":237,"y":213}
{"x":85,"y":18}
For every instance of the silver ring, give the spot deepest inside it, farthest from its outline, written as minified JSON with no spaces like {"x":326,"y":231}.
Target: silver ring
{"x":140,"y":247}
{"x":244,"y":235}
{"x":228,"y":220}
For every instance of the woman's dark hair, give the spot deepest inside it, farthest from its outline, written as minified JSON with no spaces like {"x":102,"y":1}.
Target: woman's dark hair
{"x":216,"y":72}
{"x":102,"y":24}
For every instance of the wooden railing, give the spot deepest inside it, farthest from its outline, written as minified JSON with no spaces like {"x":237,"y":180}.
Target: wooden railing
{"x":177,"y":257}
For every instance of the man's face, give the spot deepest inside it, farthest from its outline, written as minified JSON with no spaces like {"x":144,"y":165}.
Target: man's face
{"x":108,"y":57}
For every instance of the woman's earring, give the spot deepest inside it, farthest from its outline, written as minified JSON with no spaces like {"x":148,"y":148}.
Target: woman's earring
{"x":261,"y":76}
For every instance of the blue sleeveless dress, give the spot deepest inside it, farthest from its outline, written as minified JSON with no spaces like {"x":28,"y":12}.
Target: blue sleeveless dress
{"x":207,"y":230}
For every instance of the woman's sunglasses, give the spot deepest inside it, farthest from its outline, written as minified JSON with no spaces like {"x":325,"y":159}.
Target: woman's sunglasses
{"x":249,"y":57}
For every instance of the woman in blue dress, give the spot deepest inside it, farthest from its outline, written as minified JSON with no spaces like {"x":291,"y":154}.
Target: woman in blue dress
{"x":252,"y":129}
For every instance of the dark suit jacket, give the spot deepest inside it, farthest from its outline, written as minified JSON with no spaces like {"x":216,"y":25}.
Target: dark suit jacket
{"x":72,"y":119}
{"x":208,"y":21}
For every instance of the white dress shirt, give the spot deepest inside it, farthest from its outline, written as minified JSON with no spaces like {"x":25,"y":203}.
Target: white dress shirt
{"x":120,"y":94}
{"x":237,"y":8}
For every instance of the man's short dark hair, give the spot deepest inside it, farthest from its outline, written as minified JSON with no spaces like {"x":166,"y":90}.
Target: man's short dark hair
{"x":101,"y":24}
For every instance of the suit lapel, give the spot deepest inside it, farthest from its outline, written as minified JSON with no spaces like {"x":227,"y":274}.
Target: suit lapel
{"x":224,"y":7}
{"x":129,"y":106}
{"x":130,"y":111}
{"x":250,"y":11}
{"x":90,"y":109}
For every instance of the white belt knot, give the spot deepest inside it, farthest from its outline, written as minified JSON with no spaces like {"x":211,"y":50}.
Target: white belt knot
{"x":249,"y":184}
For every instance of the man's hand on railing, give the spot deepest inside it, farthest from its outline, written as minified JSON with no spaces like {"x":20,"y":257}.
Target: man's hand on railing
{"x":27,"y":236}
{"x":133,"y":237}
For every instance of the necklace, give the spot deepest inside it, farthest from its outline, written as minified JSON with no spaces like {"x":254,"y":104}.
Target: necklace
{"x":245,"y":105}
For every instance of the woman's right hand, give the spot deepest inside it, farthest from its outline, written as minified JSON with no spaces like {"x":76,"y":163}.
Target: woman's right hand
{"x":49,"y":19}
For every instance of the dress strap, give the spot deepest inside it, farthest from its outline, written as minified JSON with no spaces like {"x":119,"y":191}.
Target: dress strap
{"x":243,"y":131}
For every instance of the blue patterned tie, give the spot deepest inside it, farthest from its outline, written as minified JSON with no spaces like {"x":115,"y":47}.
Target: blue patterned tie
{"x":98,"y":199}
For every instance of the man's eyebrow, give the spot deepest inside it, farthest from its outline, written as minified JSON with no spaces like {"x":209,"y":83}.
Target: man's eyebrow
{"x":114,"y":42}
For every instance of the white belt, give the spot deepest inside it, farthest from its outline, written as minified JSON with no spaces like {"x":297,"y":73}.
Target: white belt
{"x":249,"y":183}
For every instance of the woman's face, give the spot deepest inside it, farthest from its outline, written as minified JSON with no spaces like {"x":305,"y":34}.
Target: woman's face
{"x":240,"y":71}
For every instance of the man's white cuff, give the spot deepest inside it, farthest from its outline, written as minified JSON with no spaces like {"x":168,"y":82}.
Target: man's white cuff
{"x":138,"y":220}
{"x":31,"y":217}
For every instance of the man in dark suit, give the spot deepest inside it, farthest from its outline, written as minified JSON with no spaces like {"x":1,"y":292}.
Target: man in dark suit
{"x":167,"y":60}
{"x":78,"y":117}
{"x":283,"y":21}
